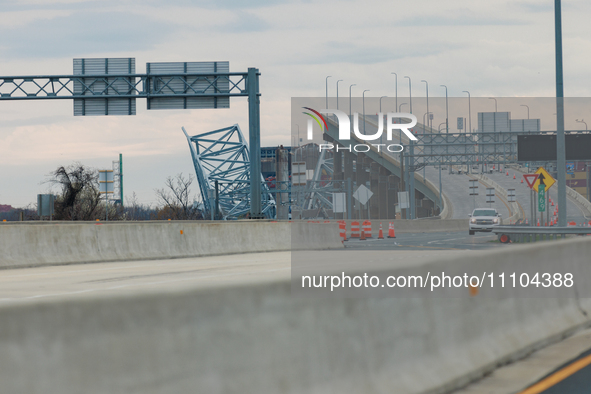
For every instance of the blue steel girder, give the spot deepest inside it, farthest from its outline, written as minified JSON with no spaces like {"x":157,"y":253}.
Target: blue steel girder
{"x":226,"y":160}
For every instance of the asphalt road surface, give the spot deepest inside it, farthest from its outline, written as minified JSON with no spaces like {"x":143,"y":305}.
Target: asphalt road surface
{"x":429,"y":241}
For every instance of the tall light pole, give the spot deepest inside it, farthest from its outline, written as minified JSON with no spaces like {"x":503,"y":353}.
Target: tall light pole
{"x":363,"y":94}
{"x":426,"y":114}
{"x":327,"y":90}
{"x":469,"y":110}
{"x":492,"y":98}
{"x":409,"y":93}
{"x":427,"y":87}
{"x":298,"y":126}
{"x":340,"y":80}
{"x":396,"y":88}
{"x":527,"y":106}
{"x":560,"y":139}
{"x":381,"y":103}
{"x":439,"y":127}
{"x":446,"y":111}
{"x":411,"y":176}
{"x":583,"y":121}
{"x":350,"y":115}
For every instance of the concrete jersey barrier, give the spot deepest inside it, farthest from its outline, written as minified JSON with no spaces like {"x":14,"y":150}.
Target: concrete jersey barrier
{"x":26,"y":245}
{"x":259,"y":338}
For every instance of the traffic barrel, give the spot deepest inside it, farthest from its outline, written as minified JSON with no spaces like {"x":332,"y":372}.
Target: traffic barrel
{"x":354,"y":229}
{"x":367,"y":228}
{"x":391,"y":233}
{"x":343,"y":229}
{"x":381,"y":233}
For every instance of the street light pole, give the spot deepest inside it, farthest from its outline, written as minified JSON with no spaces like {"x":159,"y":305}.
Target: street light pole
{"x":560,"y":138}
{"x":583,"y":121}
{"x":327,"y":90}
{"x":469,"y":110}
{"x":411,"y":175}
{"x":381,"y":103}
{"x":409,"y":93}
{"x":298,"y":126}
{"x":446,"y":111}
{"x":340,"y":80}
{"x":527,"y":106}
{"x":363,"y":94}
{"x":396,"y":88}
{"x":427,"y":87}
{"x":492,"y":98}
{"x":426,"y":114}
{"x":350,"y":100}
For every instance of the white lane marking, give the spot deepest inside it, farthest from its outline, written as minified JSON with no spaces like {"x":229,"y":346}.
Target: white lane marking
{"x":456,"y":239}
{"x":138,"y":284}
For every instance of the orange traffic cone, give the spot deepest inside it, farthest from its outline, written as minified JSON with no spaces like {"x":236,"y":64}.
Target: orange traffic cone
{"x":514,"y":176}
{"x":507,"y":173}
{"x":538,"y":222}
{"x":521,"y":180}
{"x":362,"y":237}
{"x":381,"y":233}
{"x":391,"y":233}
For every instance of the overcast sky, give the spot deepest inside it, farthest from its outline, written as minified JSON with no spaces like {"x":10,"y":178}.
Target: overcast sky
{"x":491,"y":48}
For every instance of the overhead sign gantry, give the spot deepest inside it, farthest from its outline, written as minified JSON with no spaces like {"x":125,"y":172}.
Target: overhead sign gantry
{"x":110,"y":86}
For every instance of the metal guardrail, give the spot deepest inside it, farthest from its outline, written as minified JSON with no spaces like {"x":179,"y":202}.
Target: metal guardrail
{"x":533,"y":233}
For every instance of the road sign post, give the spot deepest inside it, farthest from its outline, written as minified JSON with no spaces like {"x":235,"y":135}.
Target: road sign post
{"x":542,"y":198}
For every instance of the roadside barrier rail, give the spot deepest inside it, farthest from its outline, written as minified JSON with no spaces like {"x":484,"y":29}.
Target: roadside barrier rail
{"x":534,"y":233}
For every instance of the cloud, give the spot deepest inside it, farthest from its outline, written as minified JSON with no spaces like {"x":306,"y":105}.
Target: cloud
{"x":347,"y":52}
{"x":460,"y":20}
{"x":245,"y":22}
{"x":83,"y":33}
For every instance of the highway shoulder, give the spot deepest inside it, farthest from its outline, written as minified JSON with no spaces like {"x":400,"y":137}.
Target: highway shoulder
{"x":519,"y":375}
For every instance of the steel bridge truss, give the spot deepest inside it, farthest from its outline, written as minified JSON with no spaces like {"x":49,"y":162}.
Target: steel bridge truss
{"x":223,"y":156}
{"x":319,"y":194}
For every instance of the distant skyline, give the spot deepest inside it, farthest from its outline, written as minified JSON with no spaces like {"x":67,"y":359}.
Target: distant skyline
{"x":492,"y":49}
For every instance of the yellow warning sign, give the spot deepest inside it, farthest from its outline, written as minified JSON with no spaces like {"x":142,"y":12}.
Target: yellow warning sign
{"x":543,"y":176}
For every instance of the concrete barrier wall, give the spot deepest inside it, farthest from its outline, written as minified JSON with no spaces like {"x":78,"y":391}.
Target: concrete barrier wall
{"x":259,"y":338}
{"x":579,"y":198}
{"x":25,"y":245}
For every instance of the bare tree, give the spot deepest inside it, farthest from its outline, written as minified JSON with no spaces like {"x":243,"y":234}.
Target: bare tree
{"x":176,"y":199}
{"x":80,"y":196}
{"x":134,"y":210}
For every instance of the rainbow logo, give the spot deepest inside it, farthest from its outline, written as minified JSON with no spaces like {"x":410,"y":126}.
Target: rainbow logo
{"x":316,"y":118}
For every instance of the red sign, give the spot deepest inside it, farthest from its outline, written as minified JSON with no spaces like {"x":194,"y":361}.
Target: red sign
{"x":530,"y":179}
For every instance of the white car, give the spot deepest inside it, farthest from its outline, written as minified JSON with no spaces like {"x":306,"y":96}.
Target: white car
{"x":484,"y":219}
